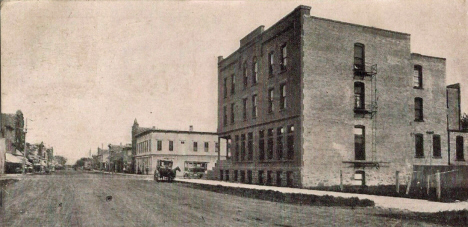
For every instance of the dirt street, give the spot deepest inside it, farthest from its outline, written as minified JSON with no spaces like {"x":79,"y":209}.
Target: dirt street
{"x":94,"y":199}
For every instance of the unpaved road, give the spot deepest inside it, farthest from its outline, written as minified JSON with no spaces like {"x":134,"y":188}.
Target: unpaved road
{"x":82,"y":199}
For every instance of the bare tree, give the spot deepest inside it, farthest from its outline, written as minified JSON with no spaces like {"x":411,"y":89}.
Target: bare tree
{"x":464,"y":122}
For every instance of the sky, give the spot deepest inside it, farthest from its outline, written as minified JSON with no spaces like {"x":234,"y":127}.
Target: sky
{"x":82,"y":71}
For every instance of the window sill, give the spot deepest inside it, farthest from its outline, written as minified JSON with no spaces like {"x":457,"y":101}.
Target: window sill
{"x":361,"y":111}
{"x":418,"y":88}
{"x":418,"y":156}
{"x":437,"y":157}
{"x":460,"y":160}
{"x":415,"y":120}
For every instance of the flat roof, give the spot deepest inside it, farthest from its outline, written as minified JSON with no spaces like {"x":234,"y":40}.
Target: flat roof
{"x":174,"y":131}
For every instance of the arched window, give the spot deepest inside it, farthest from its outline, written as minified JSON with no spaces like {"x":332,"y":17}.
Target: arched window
{"x":359,"y":57}
{"x":417,"y":77}
{"x":359,"y":95}
{"x":254,"y":71}
{"x":460,"y":150}
{"x":244,"y":74}
{"x":418,"y":109}
{"x":359,"y":142}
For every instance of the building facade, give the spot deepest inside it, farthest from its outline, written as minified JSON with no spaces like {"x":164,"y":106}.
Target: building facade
{"x":181,"y":147}
{"x":12,"y":130}
{"x":315,"y":102}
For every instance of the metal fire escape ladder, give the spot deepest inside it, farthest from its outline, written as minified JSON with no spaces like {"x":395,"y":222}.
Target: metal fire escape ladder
{"x":374,"y":108}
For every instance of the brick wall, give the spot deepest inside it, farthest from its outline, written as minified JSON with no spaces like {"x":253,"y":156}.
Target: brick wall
{"x":328,"y":101}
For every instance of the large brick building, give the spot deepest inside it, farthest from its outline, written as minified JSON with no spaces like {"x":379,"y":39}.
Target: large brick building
{"x":316,"y":102}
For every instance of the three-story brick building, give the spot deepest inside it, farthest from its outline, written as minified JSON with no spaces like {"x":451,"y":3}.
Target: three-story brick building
{"x":316,"y":102}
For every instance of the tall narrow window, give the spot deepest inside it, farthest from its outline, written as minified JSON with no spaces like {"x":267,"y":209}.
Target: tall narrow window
{"x":195,"y":146}
{"x":233,"y":84}
{"x":436,"y":146}
{"x":207,"y":146}
{"x":284,"y":56}
{"x":224,"y":115}
{"x":417,"y":76}
{"x":232,"y":113}
{"x":270,"y":144}
{"x":279,"y":143}
{"x":244,"y":109}
{"x":250,"y":146}
{"x":359,"y":57}
{"x":236,"y":155}
{"x":359,"y":143}
{"x":244,"y":74}
{"x":271,"y":58}
{"x":283,"y":96}
{"x":159,"y":145}
{"x":460,"y":148}
{"x":419,"y":145}
{"x":242,"y":154}
{"x":225,"y":87}
{"x":171,"y":145}
{"x":254,"y":71}
{"x":290,"y":142}
{"x":261,"y":145}
{"x":270,"y":100}
{"x":254,"y":106}
{"x":418,"y":109}
{"x":359,"y":95}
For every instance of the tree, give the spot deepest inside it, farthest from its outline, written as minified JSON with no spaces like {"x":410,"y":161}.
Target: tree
{"x":464,"y":122}
{"x":60,"y":160}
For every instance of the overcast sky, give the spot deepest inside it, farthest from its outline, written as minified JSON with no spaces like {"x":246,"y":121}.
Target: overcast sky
{"x":83,"y":71}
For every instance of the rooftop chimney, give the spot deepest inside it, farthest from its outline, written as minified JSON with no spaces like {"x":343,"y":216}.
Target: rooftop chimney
{"x":191,"y":128}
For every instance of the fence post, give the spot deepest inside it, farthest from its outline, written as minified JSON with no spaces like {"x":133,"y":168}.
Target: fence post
{"x":438,"y":184}
{"x":397,"y":183}
{"x":410,"y":178}
{"x":341,"y":180}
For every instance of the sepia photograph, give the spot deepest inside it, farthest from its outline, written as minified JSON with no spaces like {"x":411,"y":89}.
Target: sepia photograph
{"x":234,"y":113}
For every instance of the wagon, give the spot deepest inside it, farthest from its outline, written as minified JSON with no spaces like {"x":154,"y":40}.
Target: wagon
{"x":194,"y":169}
{"x":164,"y":171}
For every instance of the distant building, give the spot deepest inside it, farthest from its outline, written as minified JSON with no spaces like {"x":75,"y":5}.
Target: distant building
{"x":181,"y":147}
{"x":316,"y":102}
{"x":120,"y":157}
{"x":103,"y":157}
{"x":12,"y":130}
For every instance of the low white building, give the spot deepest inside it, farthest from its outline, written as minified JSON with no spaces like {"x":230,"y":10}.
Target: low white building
{"x":181,"y":147}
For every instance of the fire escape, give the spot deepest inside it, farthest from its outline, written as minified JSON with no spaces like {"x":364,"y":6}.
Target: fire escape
{"x":367,"y":73}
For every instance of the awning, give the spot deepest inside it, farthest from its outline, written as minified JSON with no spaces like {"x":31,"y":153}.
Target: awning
{"x":13,"y":159}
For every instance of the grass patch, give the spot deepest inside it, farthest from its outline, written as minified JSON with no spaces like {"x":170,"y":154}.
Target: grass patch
{"x":448,"y":218}
{"x":447,"y":195}
{"x":291,"y":198}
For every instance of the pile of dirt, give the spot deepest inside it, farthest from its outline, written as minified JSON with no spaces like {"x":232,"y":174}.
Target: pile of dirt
{"x":6,"y":182}
{"x":292,"y":198}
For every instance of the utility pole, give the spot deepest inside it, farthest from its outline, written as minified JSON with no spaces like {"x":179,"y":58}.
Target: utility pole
{"x":25,"y":129}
